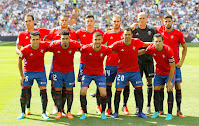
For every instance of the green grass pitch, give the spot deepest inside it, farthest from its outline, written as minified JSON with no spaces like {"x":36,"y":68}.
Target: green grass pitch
{"x":10,"y":93}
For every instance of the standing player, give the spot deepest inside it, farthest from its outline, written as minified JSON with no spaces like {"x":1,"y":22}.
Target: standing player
{"x":93,"y":70}
{"x":63,"y":72}
{"x":173,"y":38}
{"x":165,"y":68}
{"x":33,"y":69}
{"x":128,"y":69}
{"x":145,"y":33}
{"x":112,"y":63}
{"x":86,"y":36}
{"x":23,"y":40}
{"x":55,"y":35}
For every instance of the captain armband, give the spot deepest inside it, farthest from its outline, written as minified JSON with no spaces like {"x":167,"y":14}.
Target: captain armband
{"x":171,"y":60}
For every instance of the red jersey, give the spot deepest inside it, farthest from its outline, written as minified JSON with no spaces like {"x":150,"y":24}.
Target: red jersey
{"x":86,"y":38}
{"x":111,"y":37}
{"x":24,"y":36}
{"x":172,"y":39}
{"x":63,"y":58}
{"x":161,"y":58}
{"x":54,"y":34}
{"x":34,"y":59}
{"x":128,"y":55}
{"x":94,"y":60}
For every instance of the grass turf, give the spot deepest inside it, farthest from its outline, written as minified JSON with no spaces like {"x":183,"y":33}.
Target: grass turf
{"x":10,"y":93}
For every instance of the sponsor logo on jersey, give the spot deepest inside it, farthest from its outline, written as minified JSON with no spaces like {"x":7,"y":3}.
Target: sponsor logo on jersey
{"x":90,"y":54}
{"x":172,"y":36}
{"x":70,"y":51}
{"x":149,"y":32}
{"x":137,"y":33}
{"x":84,"y":35}
{"x":27,"y":37}
{"x":31,"y":54}
{"x":134,"y":48}
{"x":42,"y":51}
{"x":154,"y":54}
{"x":43,"y":83}
{"x":122,"y":49}
{"x":138,"y":82}
{"x":72,"y":83}
{"x":101,"y":83}
{"x":58,"y":52}
{"x":111,"y":37}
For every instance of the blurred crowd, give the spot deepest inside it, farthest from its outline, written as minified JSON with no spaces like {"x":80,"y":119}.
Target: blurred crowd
{"x":46,"y":13}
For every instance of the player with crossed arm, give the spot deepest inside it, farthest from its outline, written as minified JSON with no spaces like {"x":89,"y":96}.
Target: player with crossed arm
{"x":128,"y":69}
{"x":110,"y":37}
{"x":63,"y":72}
{"x":54,"y":34}
{"x":86,"y":36}
{"x":165,"y":68}
{"x":93,"y":70}
{"x":33,"y":56}
{"x":23,"y":39}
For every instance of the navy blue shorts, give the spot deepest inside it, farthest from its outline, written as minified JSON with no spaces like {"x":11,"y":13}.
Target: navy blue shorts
{"x":99,"y":80}
{"x":40,"y":77}
{"x":67,"y":78}
{"x":124,"y":77}
{"x":110,"y":73}
{"x":162,"y":80}
{"x":81,"y":68}
{"x":178,"y":76}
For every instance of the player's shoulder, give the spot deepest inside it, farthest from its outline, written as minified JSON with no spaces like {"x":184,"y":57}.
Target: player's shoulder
{"x":150,"y":27}
{"x":74,"y":42}
{"x":98,"y":30}
{"x":177,"y":31}
{"x":81,"y":30}
{"x":23,"y":33}
{"x":25,"y":48}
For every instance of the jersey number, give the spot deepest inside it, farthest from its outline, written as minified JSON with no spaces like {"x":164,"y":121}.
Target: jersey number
{"x":54,"y":77}
{"x":107,"y":73}
{"x":120,"y":78}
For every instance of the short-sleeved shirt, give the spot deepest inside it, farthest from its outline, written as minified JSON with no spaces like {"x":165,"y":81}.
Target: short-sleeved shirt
{"x":94,"y":60}
{"x":86,"y":38}
{"x":128,"y":55}
{"x":172,"y":39}
{"x":63,"y":58}
{"x":24,"y":36}
{"x":34,"y":59}
{"x":54,"y":34}
{"x":162,"y":58}
{"x":145,"y":35}
{"x":111,"y":37}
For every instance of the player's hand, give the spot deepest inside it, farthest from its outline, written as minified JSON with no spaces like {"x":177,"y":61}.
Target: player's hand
{"x":169,"y":86}
{"x":133,"y":26}
{"x":179,"y":64}
{"x":22,"y":78}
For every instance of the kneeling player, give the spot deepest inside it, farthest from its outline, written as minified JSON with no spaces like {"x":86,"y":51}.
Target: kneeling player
{"x":33,"y":69}
{"x":63,"y":71}
{"x":93,"y":70}
{"x":165,"y":68}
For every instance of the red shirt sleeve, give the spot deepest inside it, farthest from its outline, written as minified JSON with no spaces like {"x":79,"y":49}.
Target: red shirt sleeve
{"x":149,"y":49}
{"x":78,"y":45}
{"x":20,"y":39}
{"x":109,"y":50}
{"x":73,"y":35}
{"x":77,"y":34}
{"x":139,"y":43}
{"x":114,"y":46}
{"x":22,"y":54}
{"x":105,"y":38}
{"x":50,"y":35}
{"x":170,"y":53}
{"x":83,"y":49}
{"x":181,"y":38}
{"x":51,"y":47}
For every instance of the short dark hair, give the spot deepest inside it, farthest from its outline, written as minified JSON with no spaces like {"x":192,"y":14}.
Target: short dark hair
{"x":168,"y":16}
{"x":96,"y":34}
{"x":157,"y":36}
{"x":128,"y":29}
{"x":30,"y":15}
{"x":34,"y":33}
{"x":89,"y":16}
{"x":63,"y":15}
{"x":64,"y":32}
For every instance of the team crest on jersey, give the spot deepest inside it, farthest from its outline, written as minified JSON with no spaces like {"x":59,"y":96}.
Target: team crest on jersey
{"x":172,"y":36}
{"x":90,"y":54}
{"x":134,"y":48}
{"x":42,"y":51}
{"x":149,"y":32}
{"x":84,"y":35}
{"x":101,"y":54}
{"x":57,"y":35}
{"x":31,"y":54}
{"x":70,"y":51}
{"x":111,"y":37}
{"x":163,"y":56}
{"x":137,"y":33}
{"x":154,"y":54}
{"x":122,"y":50}
{"x":58,"y":52}
{"x":27,"y":37}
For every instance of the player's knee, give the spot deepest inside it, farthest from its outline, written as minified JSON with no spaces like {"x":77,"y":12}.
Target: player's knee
{"x":157,"y":87}
{"x":69,"y":89}
{"x":109,"y":84}
{"x":178,"y":86}
{"x":42,"y":87}
{"x":127,"y":84}
{"x":119,"y":89}
{"x":58,"y":88}
{"x":149,"y":81}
